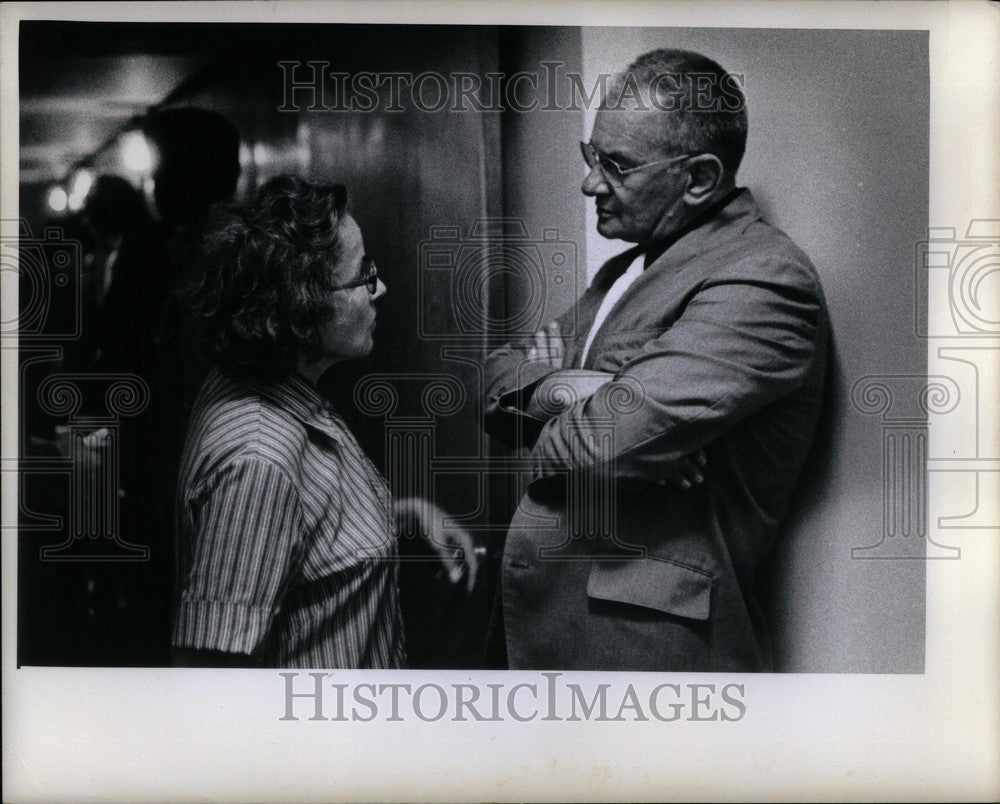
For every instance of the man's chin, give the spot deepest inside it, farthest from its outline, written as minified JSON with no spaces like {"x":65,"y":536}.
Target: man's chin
{"x":608,"y":227}
{"x":612,"y":230}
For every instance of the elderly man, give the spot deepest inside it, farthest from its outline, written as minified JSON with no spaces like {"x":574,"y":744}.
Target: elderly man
{"x":669,"y":412}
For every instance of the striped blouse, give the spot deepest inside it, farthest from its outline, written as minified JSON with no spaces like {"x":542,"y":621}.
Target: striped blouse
{"x":286,"y":549}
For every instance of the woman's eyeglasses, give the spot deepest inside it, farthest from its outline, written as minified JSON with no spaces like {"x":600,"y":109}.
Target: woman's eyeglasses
{"x":369,"y":277}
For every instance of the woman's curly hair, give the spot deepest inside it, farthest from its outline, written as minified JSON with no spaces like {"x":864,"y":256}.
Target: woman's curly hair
{"x":261,"y":285}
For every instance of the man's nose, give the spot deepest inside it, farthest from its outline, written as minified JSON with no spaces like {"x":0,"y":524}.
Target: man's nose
{"x":594,"y":183}
{"x":380,"y":289}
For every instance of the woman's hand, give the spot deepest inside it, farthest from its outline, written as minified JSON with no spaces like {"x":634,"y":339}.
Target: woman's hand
{"x":453,"y":545}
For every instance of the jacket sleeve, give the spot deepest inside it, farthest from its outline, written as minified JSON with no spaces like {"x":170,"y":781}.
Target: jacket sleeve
{"x":738,"y":346}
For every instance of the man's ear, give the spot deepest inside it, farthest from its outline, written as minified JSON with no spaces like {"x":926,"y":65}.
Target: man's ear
{"x":705,"y":177}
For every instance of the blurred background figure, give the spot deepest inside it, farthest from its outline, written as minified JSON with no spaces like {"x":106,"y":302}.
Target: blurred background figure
{"x":122,"y":283}
{"x":138,"y":245}
{"x":196,"y":164}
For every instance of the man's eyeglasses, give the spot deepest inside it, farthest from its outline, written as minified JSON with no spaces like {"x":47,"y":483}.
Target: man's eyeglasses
{"x":611,"y":169}
{"x":369,"y":277}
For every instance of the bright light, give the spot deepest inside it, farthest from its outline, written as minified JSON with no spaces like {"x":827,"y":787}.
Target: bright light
{"x":82,"y":183}
{"x":262,"y":154}
{"x":81,"y":186}
{"x":135,"y":152}
{"x":57,"y":199}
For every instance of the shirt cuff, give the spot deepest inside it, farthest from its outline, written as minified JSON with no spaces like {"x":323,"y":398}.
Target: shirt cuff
{"x":218,"y":625}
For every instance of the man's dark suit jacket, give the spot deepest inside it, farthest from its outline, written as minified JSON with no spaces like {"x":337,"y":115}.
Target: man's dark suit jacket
{"x":720,"y":344}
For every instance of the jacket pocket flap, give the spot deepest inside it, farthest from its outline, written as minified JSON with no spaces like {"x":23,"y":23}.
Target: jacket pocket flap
{"x":653,"y":584}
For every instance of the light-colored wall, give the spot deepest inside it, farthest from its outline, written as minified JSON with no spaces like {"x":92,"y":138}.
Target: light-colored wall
{"x":837,"y":157}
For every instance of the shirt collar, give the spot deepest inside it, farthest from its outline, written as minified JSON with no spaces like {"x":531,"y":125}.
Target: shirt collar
{"x":299,"y":398}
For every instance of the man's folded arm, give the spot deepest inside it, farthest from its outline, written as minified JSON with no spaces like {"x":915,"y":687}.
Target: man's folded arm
{"x":560,"y":390}
{"x":511,"y":379}
{"x":737,"y":347}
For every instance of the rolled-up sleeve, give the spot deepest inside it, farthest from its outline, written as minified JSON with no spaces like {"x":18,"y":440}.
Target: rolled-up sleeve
{"x":737,"y":347}
{"x":241,"y":541}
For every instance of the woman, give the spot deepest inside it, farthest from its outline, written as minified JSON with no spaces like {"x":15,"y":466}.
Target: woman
{"x":287,"y":554}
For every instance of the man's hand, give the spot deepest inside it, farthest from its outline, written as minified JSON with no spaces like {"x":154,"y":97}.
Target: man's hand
{"x":454,"y":545}
{"x":685,"y":473}
{"x":548,"y":345}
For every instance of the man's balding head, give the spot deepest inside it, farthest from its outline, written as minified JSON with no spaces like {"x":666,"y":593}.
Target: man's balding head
{"x":703,"y":109}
